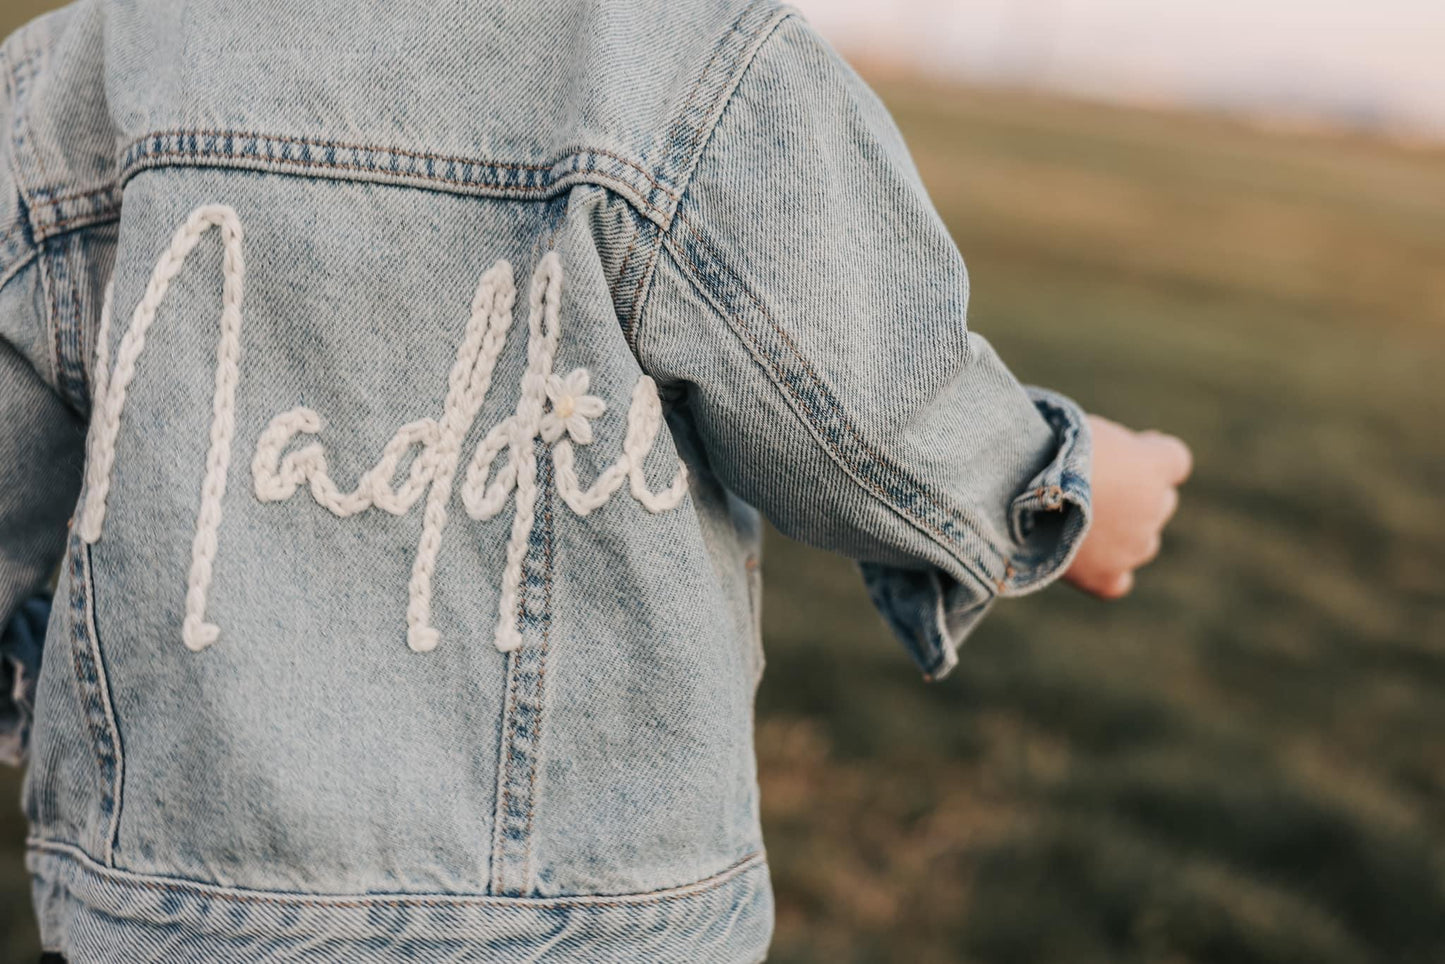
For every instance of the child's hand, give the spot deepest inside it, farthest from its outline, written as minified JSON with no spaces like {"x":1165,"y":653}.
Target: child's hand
{"x":1134,"y":494}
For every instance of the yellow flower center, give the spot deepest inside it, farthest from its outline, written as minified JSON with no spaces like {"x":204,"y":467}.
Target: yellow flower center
{"x":565,"y":406}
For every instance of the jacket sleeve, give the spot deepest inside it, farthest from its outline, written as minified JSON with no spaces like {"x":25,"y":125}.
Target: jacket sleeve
{"x":56,"y":241}
{"x":808,"y":309}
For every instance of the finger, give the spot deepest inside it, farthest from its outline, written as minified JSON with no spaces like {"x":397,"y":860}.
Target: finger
{"x":1105,"y":587}
{"x":1173,"y":456}
{"x":1087,"y":581}
{"x":1118,"y":587}
{"x":1149,"y":551}
{"x":1169,"y":502}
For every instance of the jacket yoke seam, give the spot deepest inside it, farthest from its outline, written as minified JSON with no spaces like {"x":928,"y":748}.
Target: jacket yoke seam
{"x":253,"y":150}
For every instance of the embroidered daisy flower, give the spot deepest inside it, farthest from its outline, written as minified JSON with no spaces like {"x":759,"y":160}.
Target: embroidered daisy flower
{"x":572,"y":408}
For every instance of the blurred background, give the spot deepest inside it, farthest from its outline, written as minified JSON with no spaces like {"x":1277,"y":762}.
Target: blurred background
{"x":1221,"y":218}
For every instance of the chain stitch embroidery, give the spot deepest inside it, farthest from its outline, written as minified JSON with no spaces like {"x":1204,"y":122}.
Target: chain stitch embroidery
{"x":555,"y":410}
{"x":111,"y":390}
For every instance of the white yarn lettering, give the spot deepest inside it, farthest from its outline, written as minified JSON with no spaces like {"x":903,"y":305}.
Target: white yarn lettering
{"x":110,"y":393}
{"x":556,"y":410}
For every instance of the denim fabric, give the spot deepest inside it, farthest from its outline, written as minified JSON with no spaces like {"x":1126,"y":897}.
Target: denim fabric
{"x":538,"y":745}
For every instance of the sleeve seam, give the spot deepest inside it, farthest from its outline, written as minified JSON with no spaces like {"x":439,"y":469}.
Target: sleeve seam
{"x":976,"y":553}
{"x":976,"y":568}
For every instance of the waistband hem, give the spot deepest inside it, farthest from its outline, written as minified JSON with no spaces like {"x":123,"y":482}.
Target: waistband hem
{"x":91,"y":912}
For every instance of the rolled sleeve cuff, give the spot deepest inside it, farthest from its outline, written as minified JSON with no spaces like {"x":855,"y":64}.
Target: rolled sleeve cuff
{"x":932,"y":613}
{"x":1049,"y":518}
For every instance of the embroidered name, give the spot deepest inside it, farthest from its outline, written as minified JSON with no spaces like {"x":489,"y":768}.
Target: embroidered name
{"x":556,"y":410}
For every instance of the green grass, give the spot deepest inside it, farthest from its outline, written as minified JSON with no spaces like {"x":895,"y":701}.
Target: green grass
{"x":1244,"y":761}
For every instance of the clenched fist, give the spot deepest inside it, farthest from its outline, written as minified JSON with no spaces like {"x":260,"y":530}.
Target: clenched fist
{"x":1135,"y":491}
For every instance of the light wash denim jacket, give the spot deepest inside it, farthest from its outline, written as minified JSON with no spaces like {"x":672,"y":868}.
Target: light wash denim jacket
{"x":407,"y":373}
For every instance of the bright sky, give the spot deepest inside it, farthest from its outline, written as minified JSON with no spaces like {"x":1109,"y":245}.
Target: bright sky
{"x":1363,"y":61}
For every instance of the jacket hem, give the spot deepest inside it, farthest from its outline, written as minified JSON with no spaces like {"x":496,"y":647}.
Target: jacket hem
{"x":93,"y":913}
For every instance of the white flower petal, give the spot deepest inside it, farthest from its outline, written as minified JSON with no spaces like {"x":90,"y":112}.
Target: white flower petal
{"x":589,"y":406}
{"x":556,"y":388}
{"x":577,"y":381}
{"x":551,"y":428}
{"x":580,"y":429}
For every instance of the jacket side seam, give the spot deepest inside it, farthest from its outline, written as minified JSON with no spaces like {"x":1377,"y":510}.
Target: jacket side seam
{"x":62,"y":261}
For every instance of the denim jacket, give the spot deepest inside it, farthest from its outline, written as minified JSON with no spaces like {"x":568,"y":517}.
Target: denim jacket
{"x":397,"y":388}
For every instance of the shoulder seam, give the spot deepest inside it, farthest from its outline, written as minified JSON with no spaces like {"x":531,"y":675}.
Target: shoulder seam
{"x":775,"y":17}
{"x":757,"y":39}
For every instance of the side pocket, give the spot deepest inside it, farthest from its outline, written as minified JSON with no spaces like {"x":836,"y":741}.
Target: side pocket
{"x":73,"y":787}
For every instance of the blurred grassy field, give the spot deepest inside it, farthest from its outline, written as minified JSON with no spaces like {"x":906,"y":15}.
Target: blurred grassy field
{"x":1246,"y":760}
